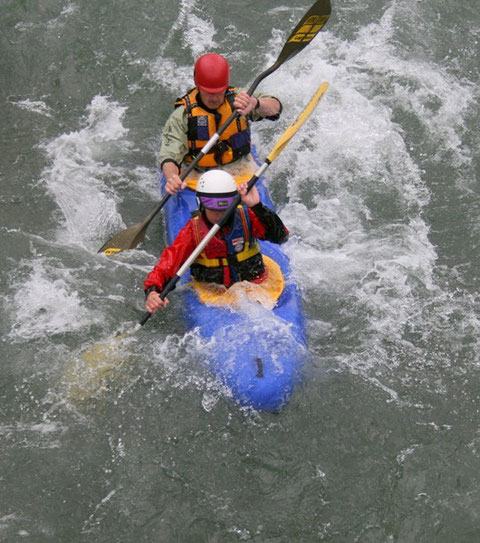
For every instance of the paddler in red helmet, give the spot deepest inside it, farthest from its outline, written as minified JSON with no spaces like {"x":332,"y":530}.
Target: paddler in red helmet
{"x":198,"y":115}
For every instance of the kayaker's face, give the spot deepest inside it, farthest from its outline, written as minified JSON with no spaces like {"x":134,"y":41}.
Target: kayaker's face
{"x":213,"y":216}
{"x":212,"y":100}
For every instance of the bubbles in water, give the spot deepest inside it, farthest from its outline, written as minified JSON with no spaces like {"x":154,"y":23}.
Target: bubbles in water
{"x":198,"y":35}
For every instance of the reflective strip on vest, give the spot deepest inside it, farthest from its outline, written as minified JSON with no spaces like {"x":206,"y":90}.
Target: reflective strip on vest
{"x":217,"y":262}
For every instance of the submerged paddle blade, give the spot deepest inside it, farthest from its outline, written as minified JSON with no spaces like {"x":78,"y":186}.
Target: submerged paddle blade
{"x":90,"y":374}
{"x":97,"y":369}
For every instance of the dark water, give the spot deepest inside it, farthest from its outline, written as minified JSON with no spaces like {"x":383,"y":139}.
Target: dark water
{"x":380,"y":191}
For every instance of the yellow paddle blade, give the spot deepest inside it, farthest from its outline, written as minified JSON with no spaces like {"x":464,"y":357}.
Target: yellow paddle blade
{"x":309,"y":29}
{"x":295,"y":126}
{"x":112,"y":251}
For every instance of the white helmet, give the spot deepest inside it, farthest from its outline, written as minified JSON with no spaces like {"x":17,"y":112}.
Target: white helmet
{"x":216,"y":190}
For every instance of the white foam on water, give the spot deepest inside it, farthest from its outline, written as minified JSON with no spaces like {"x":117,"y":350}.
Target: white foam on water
{"x":99,"y":512}
{"x":146,"y":180}
{"x":46,"y":301}
{"x":197,"y":31}
{"x":51,"y":25}
{"x":34,"y":106}
{"x":69,"y":10}
{"x":436,"y":98}
{"x":79,"y":175}
{"x":355,"y":193}
{"x":197,"y":34}
{"x":176,"y":367}
{"x":6,"y":520}
{"x":161,"y":69}
{"x":42,"y":435}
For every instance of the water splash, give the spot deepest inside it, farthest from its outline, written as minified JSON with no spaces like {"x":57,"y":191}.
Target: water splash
{"x":357,"y":197}
{"x":80,"y":175}
{"x":52,"y":306}
{"x":34,"y":106}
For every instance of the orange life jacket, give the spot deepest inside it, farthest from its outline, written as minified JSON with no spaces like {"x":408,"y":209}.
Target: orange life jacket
{"x":234,"y":142}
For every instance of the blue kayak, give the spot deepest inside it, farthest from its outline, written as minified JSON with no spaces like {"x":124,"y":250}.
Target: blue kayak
{"x":256,"y":352}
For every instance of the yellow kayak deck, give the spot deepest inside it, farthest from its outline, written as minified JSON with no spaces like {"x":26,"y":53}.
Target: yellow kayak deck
{"x":266,"y":293}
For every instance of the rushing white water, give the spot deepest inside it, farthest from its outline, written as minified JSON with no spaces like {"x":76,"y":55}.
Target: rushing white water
{"x":351,"y":155}
{"x":379,"y":190}
{"x":78,"y":173}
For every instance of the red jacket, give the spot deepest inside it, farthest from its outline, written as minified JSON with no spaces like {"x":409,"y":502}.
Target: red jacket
{"x":266,"y":225}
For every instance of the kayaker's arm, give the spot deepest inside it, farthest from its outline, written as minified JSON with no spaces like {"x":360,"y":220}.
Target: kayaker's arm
{"x":267,"y":225}
{"x":267,"y":107}
{"x":171,"y":173}
{"x":174,"y":141}
{"x":259,"y":106}
{"x":170,"y":260}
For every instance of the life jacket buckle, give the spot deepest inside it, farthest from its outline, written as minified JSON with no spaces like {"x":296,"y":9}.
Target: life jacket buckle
{"x":219,"y":150}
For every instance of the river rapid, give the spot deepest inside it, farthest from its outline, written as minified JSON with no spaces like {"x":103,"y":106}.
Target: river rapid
{"x":380,"y":193}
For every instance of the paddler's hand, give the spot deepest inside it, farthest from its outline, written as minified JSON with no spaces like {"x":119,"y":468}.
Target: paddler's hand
{"x":154,"y":302}
{"x":174,"y":184}
{"x":251,"y":198}
{"x":244,"y":103}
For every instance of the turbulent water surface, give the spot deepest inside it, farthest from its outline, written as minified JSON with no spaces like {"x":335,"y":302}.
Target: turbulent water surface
{"x":381,"y":443}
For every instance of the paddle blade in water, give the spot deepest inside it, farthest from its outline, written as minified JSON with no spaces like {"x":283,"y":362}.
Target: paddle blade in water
{"x":98,"y":369}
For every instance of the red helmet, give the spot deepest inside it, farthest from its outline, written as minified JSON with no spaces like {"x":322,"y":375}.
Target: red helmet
{"x":212,"y":73}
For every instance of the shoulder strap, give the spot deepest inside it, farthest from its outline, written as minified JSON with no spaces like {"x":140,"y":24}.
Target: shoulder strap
{"x":196,"y":229}
{"x":245,"y":223}
{"x":185,"y":101}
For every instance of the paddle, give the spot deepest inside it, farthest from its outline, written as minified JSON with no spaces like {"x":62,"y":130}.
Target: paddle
{"x":309,"y":26}
{"x":278,"y":148}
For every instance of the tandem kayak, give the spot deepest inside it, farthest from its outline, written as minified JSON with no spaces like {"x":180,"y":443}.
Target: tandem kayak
{"x":255,"y":335}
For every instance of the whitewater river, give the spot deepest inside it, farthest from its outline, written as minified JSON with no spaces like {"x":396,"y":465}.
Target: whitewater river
{"x":380,"y":191}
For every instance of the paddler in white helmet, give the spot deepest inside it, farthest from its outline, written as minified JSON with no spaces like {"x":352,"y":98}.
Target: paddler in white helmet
{"x":233,"y":254}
